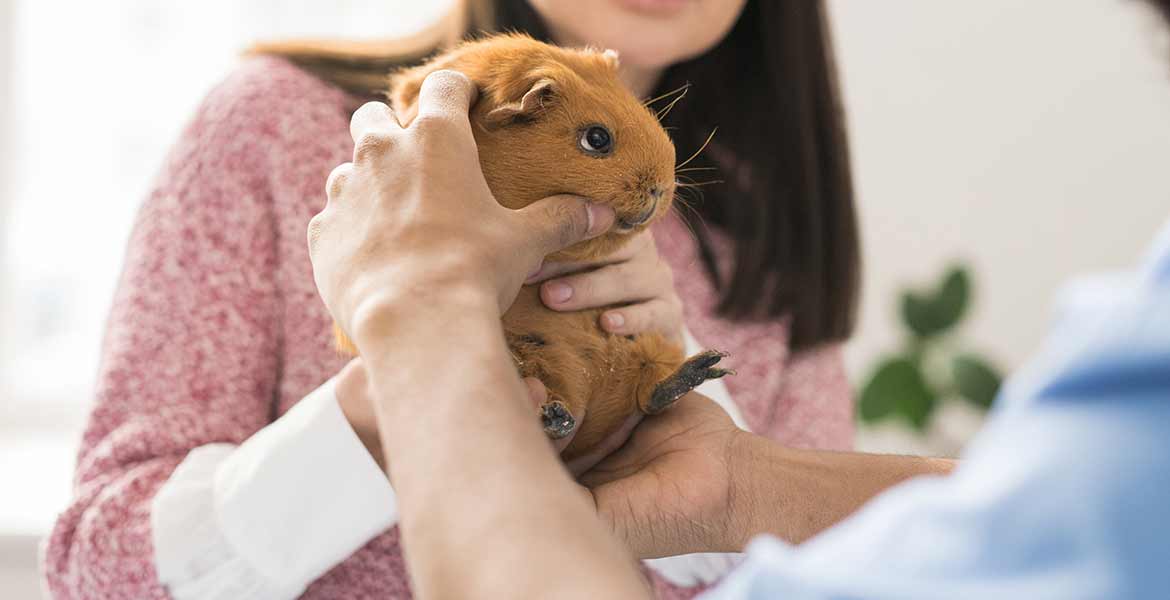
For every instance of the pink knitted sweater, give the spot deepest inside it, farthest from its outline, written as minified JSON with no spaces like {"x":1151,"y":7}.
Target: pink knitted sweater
{"x":216,"y":330}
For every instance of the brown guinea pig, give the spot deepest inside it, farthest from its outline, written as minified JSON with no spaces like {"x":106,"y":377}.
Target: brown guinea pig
{"x":549,"y":121}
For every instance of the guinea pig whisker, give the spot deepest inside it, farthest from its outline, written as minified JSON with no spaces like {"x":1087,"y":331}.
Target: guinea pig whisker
{"x":701,"y":148}
{"x":681,"y":88}
{"x":688,"y":195}
{"x":689,"y":169}
{"x":699,"y":184}
{"x":667,"y":109}
{"x":686,"y":221}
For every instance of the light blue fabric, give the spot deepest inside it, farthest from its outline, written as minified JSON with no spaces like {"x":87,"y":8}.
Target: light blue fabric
{"x":1065,"y":494}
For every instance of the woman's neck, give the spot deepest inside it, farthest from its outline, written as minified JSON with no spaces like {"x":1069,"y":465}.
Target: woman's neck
{"x":639,"y":80}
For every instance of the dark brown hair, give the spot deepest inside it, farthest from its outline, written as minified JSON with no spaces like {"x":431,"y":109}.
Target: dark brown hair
{"x":1163,"y":7}
{"x":786,"y":197}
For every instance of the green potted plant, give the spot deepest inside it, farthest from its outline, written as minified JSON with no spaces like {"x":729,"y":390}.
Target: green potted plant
{"x":911,"y":383}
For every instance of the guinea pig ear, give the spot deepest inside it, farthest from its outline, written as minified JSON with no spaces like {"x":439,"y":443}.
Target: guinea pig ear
{"x":528,"y":108}
{"x":611,"y":57}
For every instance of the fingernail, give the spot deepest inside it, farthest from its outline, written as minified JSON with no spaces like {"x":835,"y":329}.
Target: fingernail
{"x":558,"y":292}
{"x":600,"y":218}
{"x":615,"y":320}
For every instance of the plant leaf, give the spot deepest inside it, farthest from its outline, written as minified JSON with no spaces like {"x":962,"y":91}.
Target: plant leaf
{"x":954,"y":297}
{"x":933,"y":313}
{"x":897,"y":387}
{"x":976,"y":380}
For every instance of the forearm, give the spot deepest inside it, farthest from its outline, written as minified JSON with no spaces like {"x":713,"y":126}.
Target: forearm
{"x":795,"y":494}
{"x":486,"y":509}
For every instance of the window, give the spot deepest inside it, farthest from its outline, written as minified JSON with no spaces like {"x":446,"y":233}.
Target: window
{"x":95,"y":100}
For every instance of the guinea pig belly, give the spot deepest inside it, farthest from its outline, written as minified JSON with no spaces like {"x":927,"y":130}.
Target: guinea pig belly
{"x":592,"y":373}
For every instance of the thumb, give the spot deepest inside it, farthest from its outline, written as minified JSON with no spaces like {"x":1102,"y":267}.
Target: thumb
{"x":558,"y":222}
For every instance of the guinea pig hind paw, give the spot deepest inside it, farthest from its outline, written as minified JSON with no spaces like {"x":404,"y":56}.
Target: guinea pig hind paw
{"x":697,"y":369}
{"x":558,"y":422}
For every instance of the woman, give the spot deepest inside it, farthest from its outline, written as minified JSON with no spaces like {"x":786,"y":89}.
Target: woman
{"x":195,"y":477}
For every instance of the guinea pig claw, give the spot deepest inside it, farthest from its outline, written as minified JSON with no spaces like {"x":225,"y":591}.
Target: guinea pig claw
{"x":557,"y":420}
{"x":697,"y":369}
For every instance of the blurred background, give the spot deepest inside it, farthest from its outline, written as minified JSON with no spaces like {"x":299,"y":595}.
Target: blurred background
{"x":1024,"y":141}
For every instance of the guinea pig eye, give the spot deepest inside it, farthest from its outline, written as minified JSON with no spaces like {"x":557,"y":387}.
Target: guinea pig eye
{"x":596,"y":140}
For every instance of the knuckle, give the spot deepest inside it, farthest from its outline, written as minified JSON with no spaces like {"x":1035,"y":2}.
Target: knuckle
{"x":628,"y":272}
{"x":591,"y":287}
{"x":663,"y":277}
{"x":667,"y":274}
{"x":337,"y":179}
{"x":372,"y":145}
{"x":367,"y":112}
{"x":651,"y":248}
{"x":569,"y":224}
{"x":448,"y":80}
{"x":316,"y":225}
{"x":432,"y":123}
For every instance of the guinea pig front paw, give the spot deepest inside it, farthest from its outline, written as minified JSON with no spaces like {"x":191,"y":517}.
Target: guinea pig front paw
{"x":697,"y":369}
{"x":558,"y":422}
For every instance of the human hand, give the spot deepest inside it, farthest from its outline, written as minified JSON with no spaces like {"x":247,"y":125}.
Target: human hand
{"x":669,"y":489}
{"x":635,"y":281}
{"x":411,"y":221}
{"x":356,"y":401}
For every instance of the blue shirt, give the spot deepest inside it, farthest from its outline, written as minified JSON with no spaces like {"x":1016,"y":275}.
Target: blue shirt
{"x":1065,"y":493}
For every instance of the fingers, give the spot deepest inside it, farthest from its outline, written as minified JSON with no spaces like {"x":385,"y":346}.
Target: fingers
{"x":631,"y":281}
{"x":373,"y":117}
{"x":337,"y":180}
{"x":603,"y":449}
{"x":558,"y":222}
{"x":445,"y":98}
{"x":372,"y":128}
{"x":632,"y":249}
{"x":660,"y":314}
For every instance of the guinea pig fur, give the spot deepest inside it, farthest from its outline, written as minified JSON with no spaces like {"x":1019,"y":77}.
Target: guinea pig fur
{"x":549,"y":121}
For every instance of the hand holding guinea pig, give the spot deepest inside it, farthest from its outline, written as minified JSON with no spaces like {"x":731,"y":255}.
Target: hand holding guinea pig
{"x":453,"y":234}
{"x":552,"y":121}
{"x":634,"y":285}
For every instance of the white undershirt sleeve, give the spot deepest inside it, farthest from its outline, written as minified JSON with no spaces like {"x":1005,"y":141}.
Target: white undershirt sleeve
{"x":268,"y":517}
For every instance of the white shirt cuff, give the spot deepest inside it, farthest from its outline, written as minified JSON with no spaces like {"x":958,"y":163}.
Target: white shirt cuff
{"x":267,"y":518}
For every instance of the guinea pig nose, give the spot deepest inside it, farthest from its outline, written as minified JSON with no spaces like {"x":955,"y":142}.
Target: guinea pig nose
{"x":656,"y":192}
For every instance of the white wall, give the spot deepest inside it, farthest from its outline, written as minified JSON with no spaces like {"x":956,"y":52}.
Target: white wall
{"x":1030,"y":138}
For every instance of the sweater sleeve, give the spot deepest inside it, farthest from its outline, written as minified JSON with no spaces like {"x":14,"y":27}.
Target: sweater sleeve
{"x":814,"y":408}
{"x":190,"y":354}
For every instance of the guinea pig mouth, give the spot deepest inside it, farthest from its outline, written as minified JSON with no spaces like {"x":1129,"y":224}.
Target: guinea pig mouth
{"x":625,"y":224}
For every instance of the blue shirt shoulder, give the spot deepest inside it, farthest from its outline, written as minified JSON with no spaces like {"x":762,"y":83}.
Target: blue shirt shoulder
{"x":1064,"y":494}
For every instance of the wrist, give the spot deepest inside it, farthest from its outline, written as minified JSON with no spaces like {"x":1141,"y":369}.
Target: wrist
{"x":389,"y":317}
{"x":352,"y":391}
{"x":743,"y":450}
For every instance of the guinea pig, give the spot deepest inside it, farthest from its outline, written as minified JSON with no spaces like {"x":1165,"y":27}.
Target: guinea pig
{"x":549,"y":121}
